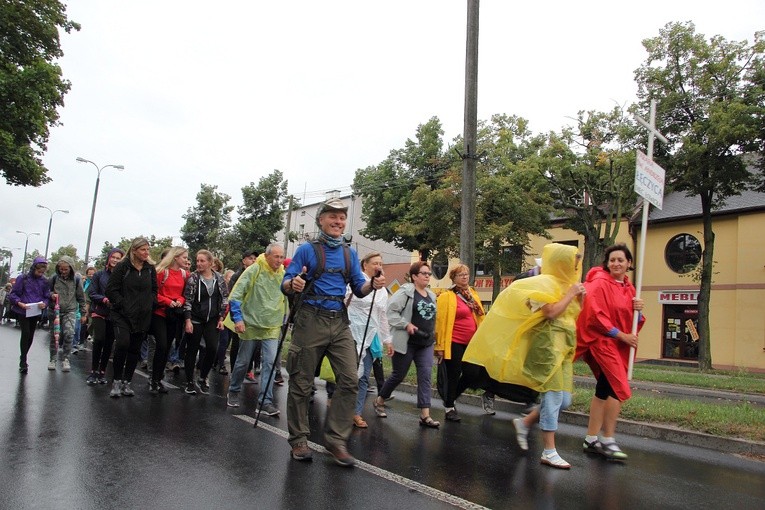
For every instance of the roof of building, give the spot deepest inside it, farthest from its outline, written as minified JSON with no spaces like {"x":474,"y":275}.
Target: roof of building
{"x":679,"y":206}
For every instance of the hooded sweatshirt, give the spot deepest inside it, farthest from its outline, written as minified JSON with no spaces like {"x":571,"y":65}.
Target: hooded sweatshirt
{"x":29,"y":288}
{"x":69,"y":288}
{"x":97,"y":289}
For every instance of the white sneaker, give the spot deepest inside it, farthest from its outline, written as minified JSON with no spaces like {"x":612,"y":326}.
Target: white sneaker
{"x":116,"y":393}
{"x":65,"y":366}
{"x":521,"y":434}
{"x":52,"y":364}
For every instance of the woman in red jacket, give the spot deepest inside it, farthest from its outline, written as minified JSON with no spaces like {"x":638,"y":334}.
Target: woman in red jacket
{"x":604,"y":338}
{"x":167,"y":320}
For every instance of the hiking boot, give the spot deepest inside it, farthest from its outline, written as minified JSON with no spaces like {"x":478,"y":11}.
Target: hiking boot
{"x":341,"y":455}
{"x":115,"y":393}
{"x":153,"y":388}
{"x":52,"y":364}
{"x":204,"y":388}
{"x":269,"y":410}
{"x":102,"y":378}
{"x":233,"y":400}
{"x":126,"y":390}
{"x":92,"y":379}
{"x":190,"y":389}
{"x":487,"y":402}
{"x":521,"y":434}
{"x":301,"y":452}
{"x":65,"y":366}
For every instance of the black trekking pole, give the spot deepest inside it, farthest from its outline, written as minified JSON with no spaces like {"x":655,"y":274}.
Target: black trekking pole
{"x":369,"y":317}
{"x":282,"y":337}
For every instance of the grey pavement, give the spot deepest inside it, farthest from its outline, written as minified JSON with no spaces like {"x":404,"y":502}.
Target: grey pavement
{"x":67,"y":445}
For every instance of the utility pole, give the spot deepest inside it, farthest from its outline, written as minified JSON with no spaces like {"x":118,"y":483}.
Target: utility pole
{"x":287,"y":228}
{"x":470,"y":135}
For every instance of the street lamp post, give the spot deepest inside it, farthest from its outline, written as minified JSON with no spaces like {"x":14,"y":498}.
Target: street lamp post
{"x":50,"y":224}
{"x":26,"y":245}
{"x":95,"y":197}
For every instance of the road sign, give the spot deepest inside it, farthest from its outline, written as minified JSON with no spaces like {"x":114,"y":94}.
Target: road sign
{"x":649,"y":180}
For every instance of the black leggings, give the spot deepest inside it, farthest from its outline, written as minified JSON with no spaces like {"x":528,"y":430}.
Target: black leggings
{"x":453,"y":372}
{"x":603,"y":388}
{"x":208,"y":330}
{"x":103,"y":340}
{"x":165,"y":330}
{"x":126,"y":352}
{"x":28,"y":326}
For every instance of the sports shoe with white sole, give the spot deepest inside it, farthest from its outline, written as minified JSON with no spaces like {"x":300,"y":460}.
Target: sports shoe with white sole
{"x":521,"y":434}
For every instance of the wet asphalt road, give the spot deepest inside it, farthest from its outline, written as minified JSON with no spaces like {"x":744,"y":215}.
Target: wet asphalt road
{"x":68,"y":445}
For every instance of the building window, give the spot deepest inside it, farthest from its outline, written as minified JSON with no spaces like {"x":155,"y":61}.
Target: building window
{"x":683,"y":253}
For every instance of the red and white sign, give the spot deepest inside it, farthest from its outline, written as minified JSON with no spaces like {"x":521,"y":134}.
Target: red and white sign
{"x":679,"y":297}
{"x":649,"y":180}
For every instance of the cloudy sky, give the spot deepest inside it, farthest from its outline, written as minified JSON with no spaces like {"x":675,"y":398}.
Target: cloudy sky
{"x":190,"y":92}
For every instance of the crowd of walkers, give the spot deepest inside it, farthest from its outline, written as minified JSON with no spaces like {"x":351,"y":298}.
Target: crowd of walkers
{"x":340,"y":312}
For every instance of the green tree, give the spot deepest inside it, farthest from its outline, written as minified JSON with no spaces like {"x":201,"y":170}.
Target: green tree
{"x":711,"y":108}
{"x":157,"y":246}
{"x":208,"y":223}
{"x":69,"y":251}
{"x":261,"y":214}
{"x":590,"y":169}
{"x":31,"y":85}
{"x":410,"y":198}
{"x":512,"y":202}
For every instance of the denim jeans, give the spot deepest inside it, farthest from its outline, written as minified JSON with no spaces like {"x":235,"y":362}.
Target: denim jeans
{"x":364,"y":382}
{"x":268,"y":350}
{"x":553,"y":402}
{"x":423,"y":361}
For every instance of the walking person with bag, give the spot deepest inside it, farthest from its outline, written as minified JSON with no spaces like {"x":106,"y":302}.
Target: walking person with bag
{"x":167,"y":321}
{"x":412,"y":317}
{"x":459,"y":312}
{"x":29,"y":297}
{"x":321,"y":328}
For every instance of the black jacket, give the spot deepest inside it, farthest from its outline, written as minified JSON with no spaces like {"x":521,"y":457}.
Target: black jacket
{"x":133,"y":295}
{"x":200,"y":306}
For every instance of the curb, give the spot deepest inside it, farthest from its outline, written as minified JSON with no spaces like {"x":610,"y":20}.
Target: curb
{"x":634,"y":428}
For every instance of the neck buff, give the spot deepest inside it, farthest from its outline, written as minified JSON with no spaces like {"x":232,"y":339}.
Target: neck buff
{"x":332,"y":242}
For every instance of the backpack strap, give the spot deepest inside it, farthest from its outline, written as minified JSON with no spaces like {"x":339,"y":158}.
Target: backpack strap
{"x":321,"y":261}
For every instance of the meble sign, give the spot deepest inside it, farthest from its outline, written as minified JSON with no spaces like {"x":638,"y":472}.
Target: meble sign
{"x":679,"y":297}
{"x":649,"y":180}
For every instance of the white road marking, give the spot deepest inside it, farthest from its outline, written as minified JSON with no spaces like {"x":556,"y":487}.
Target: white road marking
{"x":387,"y":475}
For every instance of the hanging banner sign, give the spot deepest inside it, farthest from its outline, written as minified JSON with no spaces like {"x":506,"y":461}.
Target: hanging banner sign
{"x":649,"y":180}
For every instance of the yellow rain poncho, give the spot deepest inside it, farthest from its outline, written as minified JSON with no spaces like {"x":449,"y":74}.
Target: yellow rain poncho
{"x":519,"y":346}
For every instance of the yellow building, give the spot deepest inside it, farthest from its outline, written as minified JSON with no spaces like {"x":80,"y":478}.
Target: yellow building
{"x":673,"y":249}
{"x":674,"y":242}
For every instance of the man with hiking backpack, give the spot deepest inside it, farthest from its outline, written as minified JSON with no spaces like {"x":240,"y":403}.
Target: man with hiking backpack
{"x":319,"y":273}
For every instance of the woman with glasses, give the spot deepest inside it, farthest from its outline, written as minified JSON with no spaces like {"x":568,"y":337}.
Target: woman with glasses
{"x":459,"y":312}
{"x":411,"y":317}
